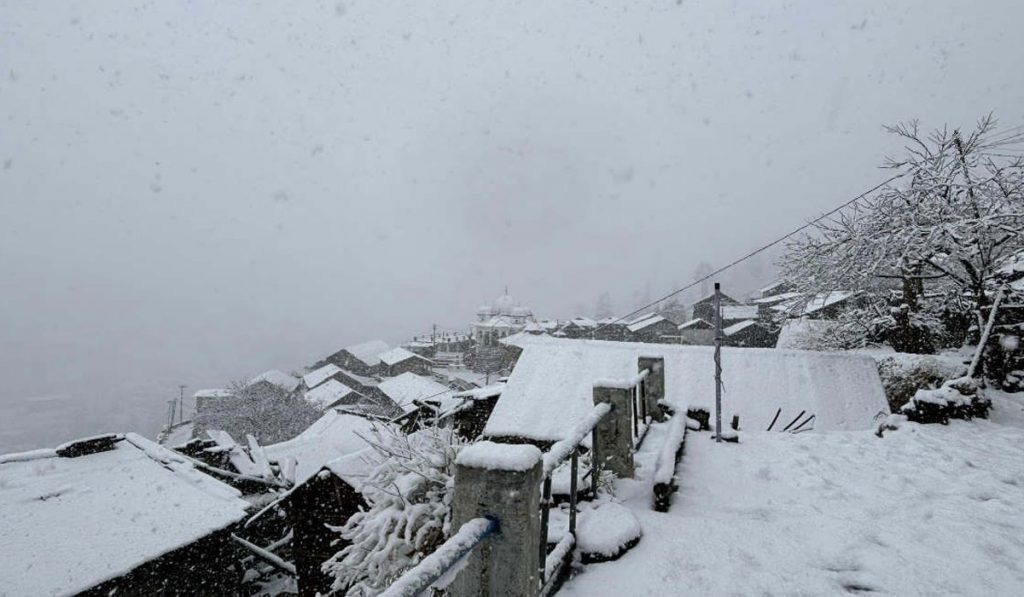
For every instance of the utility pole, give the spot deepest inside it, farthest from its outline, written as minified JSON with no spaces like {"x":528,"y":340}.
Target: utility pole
{"x":718,"y":362}
{"x":181,"y":403}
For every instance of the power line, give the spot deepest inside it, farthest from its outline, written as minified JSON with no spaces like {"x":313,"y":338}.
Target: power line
{"x":752,"y":253}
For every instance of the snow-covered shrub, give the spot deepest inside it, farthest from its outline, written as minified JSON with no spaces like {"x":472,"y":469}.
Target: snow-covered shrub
{"x":959,"y":398}
{"x":904,"y":374}
{"x":409,"y":496}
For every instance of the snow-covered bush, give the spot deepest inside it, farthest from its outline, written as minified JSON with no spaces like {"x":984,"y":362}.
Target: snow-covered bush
{"x":268,"y":412}
{"x":959,"y":398}
{"x":904,"y":374}
{"x":409,"y":496}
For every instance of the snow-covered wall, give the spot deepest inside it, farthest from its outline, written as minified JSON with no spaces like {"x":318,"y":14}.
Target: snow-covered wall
{"x":551,"y":387}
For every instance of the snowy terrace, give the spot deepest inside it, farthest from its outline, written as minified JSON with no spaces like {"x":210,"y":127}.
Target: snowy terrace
{"x":68,"y":524}
{"x":926,"y":510}
{"x":551,"y":387}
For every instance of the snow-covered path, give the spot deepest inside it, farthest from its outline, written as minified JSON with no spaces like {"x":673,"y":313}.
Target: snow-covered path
{"x":928,"y":510}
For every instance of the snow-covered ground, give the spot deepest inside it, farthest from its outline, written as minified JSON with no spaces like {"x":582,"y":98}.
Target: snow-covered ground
{"x":927,"y":510}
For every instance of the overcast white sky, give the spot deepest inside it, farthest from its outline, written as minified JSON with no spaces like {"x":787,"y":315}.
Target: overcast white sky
{"x":191,"y":192}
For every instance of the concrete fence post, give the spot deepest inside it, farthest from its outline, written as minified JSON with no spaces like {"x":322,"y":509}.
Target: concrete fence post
{"x":500,"y":481}
{"x":613,"y":435}
{"x":655,"y":384}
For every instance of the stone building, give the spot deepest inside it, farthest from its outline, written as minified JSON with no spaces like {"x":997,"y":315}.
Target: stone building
{"x":653,"y":328}
{"x":399,"y":360}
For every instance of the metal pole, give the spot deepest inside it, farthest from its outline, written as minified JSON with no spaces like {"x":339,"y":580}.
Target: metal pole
{"x":181,"y":403}
{"x":545,"y":506}
{"x":574,"y":472}
{"x":718,"y":362}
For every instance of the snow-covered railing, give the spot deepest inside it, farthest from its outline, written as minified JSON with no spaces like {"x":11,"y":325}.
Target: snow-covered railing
{"x":419,"y":578}
{"x":566,"y":449}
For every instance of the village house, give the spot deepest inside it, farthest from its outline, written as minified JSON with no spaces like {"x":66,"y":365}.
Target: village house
{"x":204,"y":401}
{"x":697,"y":331}
{"x":652,"y":328}
{"x":326,"y":463}
{"x":407,"y":389}
{"x":610,"y":328}
{"x":274,"y":379}
{"x":362,"y":359}
{"x":732,"y":314}
{"x":749,"y":333}
{"x":705,"y":307}
{"x":578,"y":327}
{"x":116,"y":514}
{"x":823,"y":305}
{"x":399,"y":360}
{"x":315,"y":505}
{"x":333,"y":393}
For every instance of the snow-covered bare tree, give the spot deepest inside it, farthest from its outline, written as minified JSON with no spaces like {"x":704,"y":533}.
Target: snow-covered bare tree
{"x":266,"y":411}
{"x":409,"y":497}
{"x":922,"y":251}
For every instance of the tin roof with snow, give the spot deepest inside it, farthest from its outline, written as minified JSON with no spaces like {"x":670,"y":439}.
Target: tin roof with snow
{"x":551,"y":387}
{"x":738,"y":327}
{"x":407,"y":387}
{"x":397,"y":355}
{"x":646,"y":322}
{"x":277,"y":378}
{"x":69,"y":524}
{"x":368,"y":352}
{"x":696,"y":324}
{"x":318,"y":376}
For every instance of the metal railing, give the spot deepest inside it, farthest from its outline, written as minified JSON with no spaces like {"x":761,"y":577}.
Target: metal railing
{"x":640,"y":416}
{"x":431,"y":568}
{"x":551,"y":565}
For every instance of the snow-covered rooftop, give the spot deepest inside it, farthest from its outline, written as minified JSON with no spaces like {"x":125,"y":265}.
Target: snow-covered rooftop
{"x":368,"y":352}
{"x":317,"y":376}
{"x":734,"y":312}
{"x":777,"y":298}
{"x":361,"y":379}
{"x":277,"y":378}
{"x":638,"y":325}
{"x":583,"y":322}
{"x":68,"y":524}
{"x":333,"y":435}
{"x":489,"y":391}
{"x":773,"y":286}
{"x":397,"y":355}
{"x":328,"y":393}
{"x":738,"y":327}
{"x":356,"y":467}
{"x":212,"y":393}
{"x":407,"y":387}
{"x":551,"y":387}
{"x":696,"y":324}
{"x":800,"y":306}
